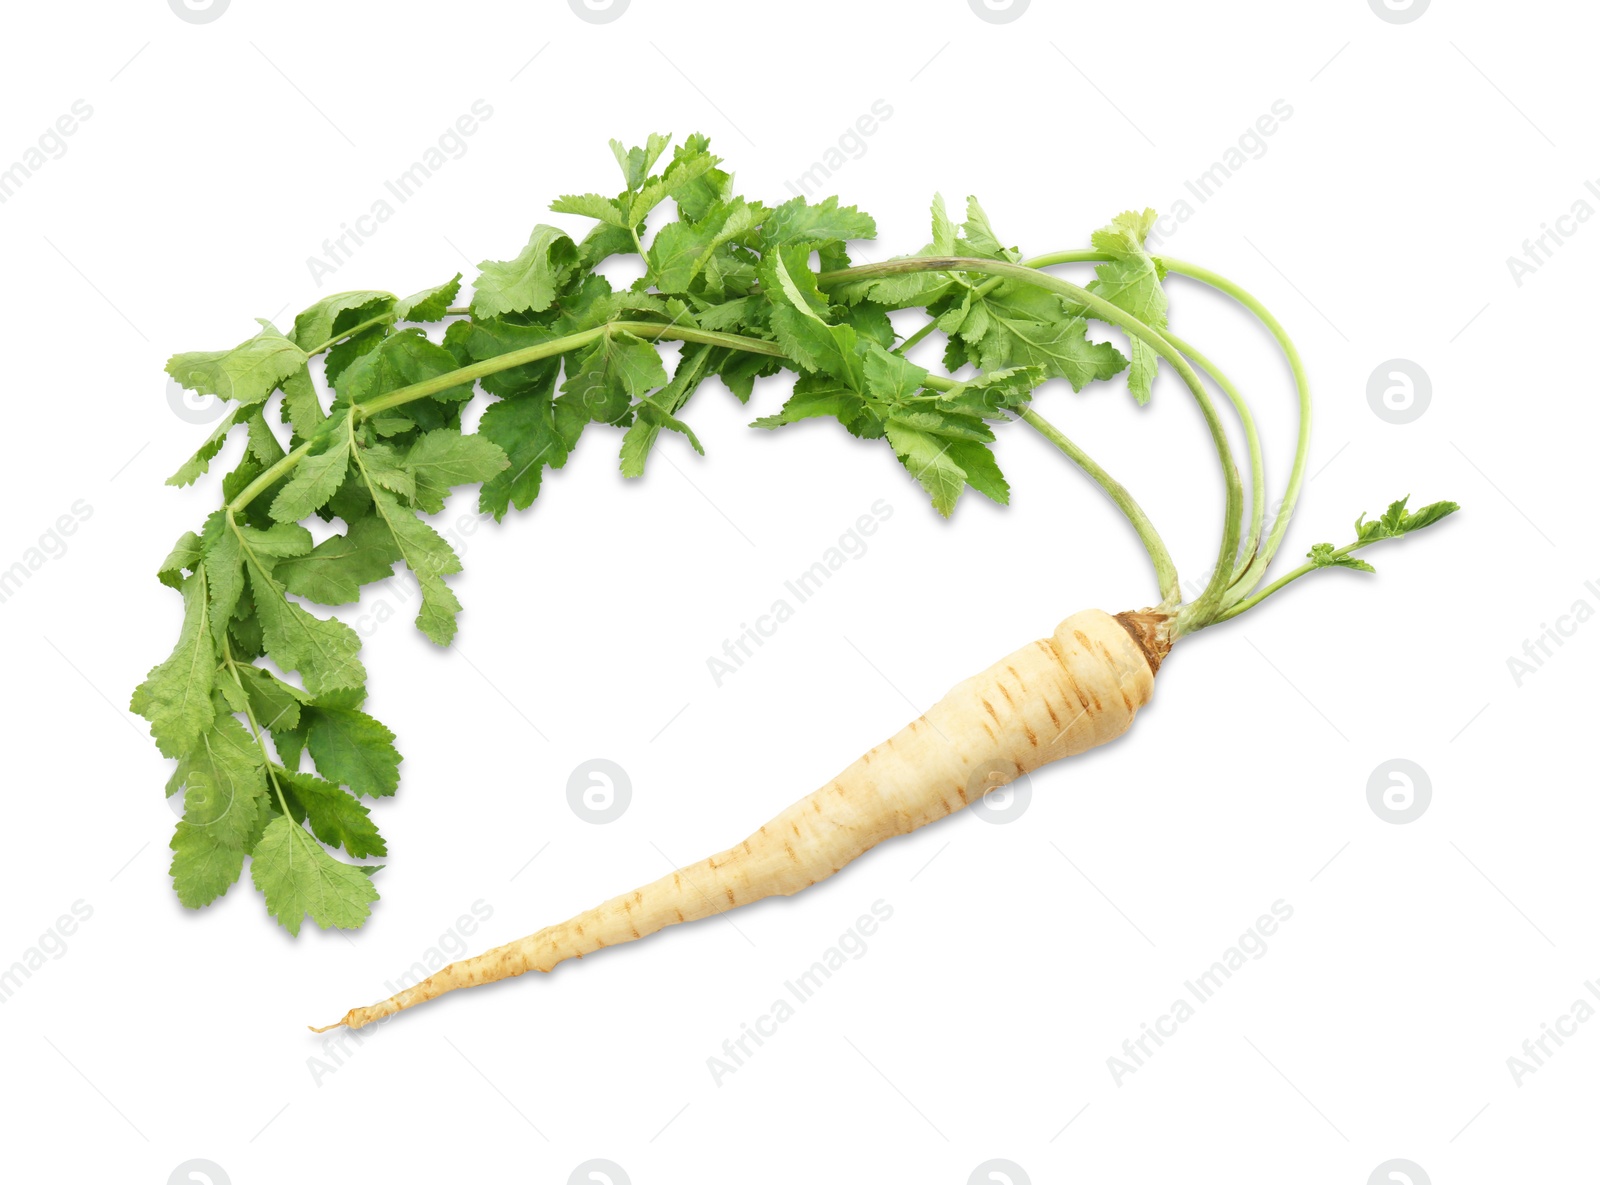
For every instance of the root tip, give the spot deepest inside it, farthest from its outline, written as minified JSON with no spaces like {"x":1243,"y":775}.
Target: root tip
{"x":336,"y":1024}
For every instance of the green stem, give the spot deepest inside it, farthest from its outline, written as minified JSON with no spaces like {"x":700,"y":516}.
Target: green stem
{"x":380,"y":319}
{"x":1254,"y":599}
{"x":1280,"y":524}
{"x":1166,"y":571}
{"x":478,"y":370}
{"x":1209,"y":601}
{"x":255,"y":726}
{"x":1258,"y":485}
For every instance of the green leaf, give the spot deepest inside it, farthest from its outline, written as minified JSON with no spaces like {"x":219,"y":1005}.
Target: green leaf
{"x":651,"y":417}
{"x":1132,"y":282}
{"x":195,"y":467}
{"x":636,"y":163}
{"x":980,"y":237}
{"x":224,"y":569}
{"x":185,"y":554}
{"x":246,"y":374}
{"x":176,"y":695}
{"x":1397,"y":521}
{"x":796,"y":315}
{"x":1323,"y":555}
{"x":381,"y":465}
{"x":796,"y":221}
{"x":276,"y":704}
{"x":203,"y":868}
{"x":992,"y":394}
{"x":680,"y":173}
{"x":337,"y":819}
{"x":403,"y":359}
{"x":352,"y":748}
{"x":530,"y":282}
{"x":927,"y":457}
{"x":299,"y":878}
{"x":316,"y":479}
{"x":224,"y":791}
{"x":279,"y":541}
{"x":430,"y":559}
{"x":616,"y":369}
{"x":681,"y":249}
{"x":302,"y":409}
{"x":333,"y":572}
{"x":445,"y":458}
{"x":591,"y":205}
{"x":525,"y":429}
{"x":323,"y":650}
{"x":430,"y":304}
{"x":336,"y":314}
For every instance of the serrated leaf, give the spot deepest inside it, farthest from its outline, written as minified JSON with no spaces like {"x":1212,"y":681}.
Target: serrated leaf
{"x":333,"y":572}
{"x":302,"y":409}
{"x":185,"y":553}
{"x":525,"y":429}
{"x":681,"y":249}
{"x":797,"y":221}
{"x":203,"y":868}
{"x":430,"y":559}
{"x":337,"y":819}
{"x":175,"y":696}
{"x":380,"y":464}
{"x":430,"y":304}
{"x":316,"y":479}
{"x":927,"y":458}
{"x":223,"y":784}
{"x":337,"y":313}
{"x":402,"y":360}
{"x":275,"y":704}
{"x":530,"y":282}
{"x":445,"y":458}
{"x":298,"y":878}
{"x":1323,"y":555}
{"x":610,"y":374}
{"x":200,"y":460}
{"x":246,"y":374}
{"x":651,"y":417}
{"x":352,"y":748}
{"x":1132,"y":282}
{"x":591,"y":205}
{"x":323,"y":650}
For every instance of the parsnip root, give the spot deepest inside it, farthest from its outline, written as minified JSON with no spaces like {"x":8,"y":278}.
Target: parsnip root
{"x":1054,"y":698}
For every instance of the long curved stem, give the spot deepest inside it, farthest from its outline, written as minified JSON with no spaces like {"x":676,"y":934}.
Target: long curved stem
{"x":1258,"y":486}
{"x":1280,"y":524}
{"x":1211,"y":599}
{"x":1166,"y":570}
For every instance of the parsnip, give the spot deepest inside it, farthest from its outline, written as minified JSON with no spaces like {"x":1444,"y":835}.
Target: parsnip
{"x":1055,"y":697}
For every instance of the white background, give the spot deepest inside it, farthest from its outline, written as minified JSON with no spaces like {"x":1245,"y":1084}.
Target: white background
{"x":1377,"y":224}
